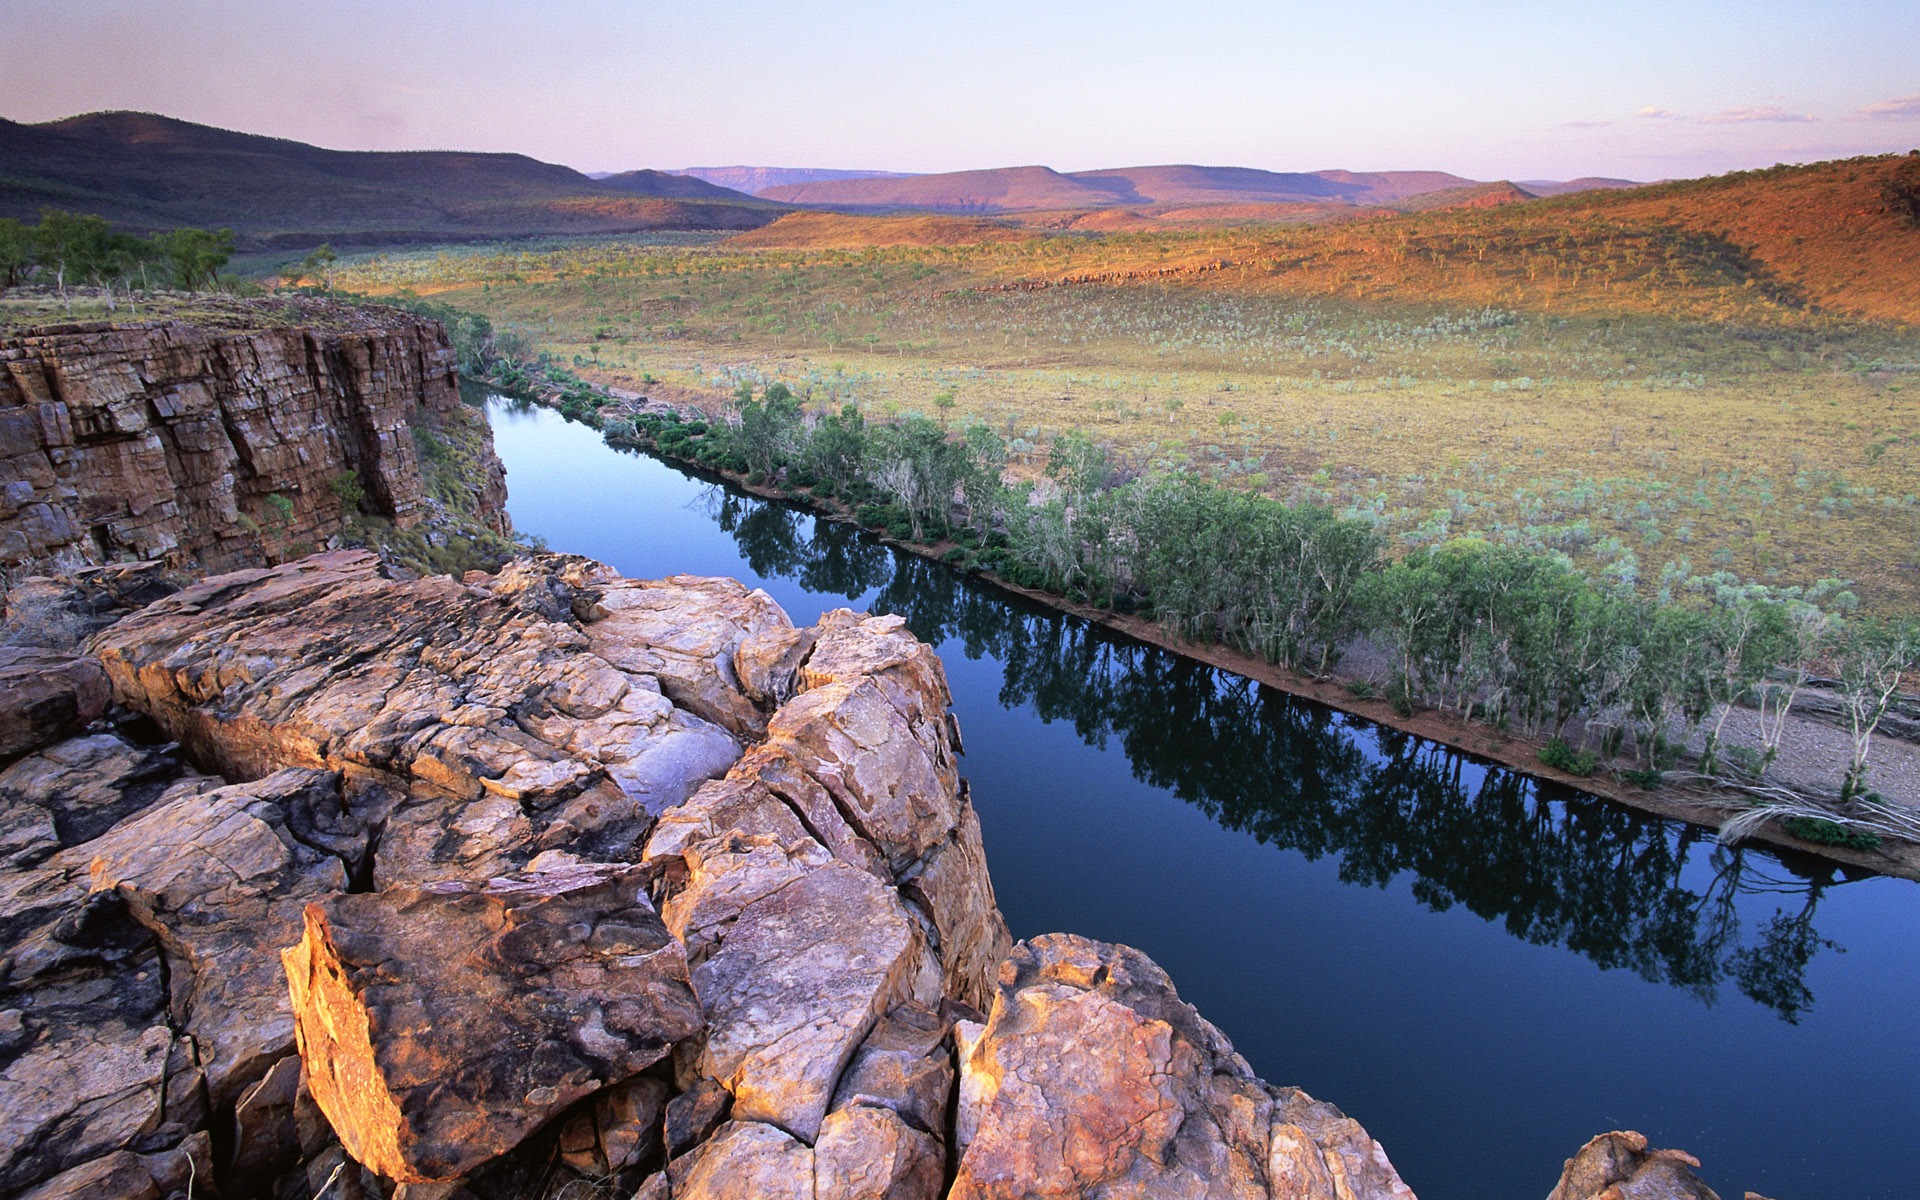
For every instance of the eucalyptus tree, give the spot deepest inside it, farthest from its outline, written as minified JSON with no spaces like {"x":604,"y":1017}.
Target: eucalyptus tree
{"x":920,"y":469}
{"x":1747,"y":634}
{"x":16,"y":252}
{"x":836,"y":449}
{"x":1876,"y":658}
{"x":1810,"y":631}
{"x":196,"y":255}
{"x":69,"y":244}
{"x":771,"y":429}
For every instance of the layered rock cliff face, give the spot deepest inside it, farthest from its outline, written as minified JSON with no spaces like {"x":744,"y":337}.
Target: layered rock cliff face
{"x":553,"y":883}
{"x":219,"y":447}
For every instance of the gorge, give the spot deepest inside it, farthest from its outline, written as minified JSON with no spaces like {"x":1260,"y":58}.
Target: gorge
{"x":580,"y":877}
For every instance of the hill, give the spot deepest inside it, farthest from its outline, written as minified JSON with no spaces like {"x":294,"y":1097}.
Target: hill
{"x":755,"y":180}
{"x":147,"y":171}
{"x":1836,"y":237}
{"x":1002,"y":189}
{"x":669,"y":184}
{"x":1586,"y":183}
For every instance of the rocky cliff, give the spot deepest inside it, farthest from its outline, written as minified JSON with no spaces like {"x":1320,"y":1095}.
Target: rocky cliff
{"x":549,"y":883}
{"x":232,"y":439}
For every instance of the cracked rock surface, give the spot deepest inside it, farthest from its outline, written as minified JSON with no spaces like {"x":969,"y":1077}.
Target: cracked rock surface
{"x":552,"y":879}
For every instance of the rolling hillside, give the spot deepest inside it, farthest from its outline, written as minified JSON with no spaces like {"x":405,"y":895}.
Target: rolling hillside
{"x":146,"y":171}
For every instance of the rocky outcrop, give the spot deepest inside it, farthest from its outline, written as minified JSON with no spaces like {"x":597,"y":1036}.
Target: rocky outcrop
{"x":581,"y":882}
{"x":1091,"y":1078}
{"x":45,"y":696}
{"x":219,"y":447}
{"x":1619,"y":1166}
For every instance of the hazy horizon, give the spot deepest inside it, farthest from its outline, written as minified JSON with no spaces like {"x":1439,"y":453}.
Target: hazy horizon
{"x":1485,"y":90}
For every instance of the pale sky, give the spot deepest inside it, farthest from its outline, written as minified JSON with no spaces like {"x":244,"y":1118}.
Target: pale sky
{"x":1488,"y":89}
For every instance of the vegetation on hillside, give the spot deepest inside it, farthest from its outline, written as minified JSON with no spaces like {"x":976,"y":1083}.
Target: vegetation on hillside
{"x":1648,"y":381}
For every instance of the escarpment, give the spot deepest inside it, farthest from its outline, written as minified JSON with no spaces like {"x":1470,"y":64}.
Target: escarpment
{"x":216,"y":446}
{"x":550,"y":882}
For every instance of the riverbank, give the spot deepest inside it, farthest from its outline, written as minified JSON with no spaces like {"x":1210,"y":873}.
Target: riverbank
{"x":1348,"y":692}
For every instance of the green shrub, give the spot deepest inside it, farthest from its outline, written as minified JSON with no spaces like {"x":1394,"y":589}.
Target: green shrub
{"x":1828,"y":833}
{"x":1646,"y":781}
{"x":1562,"y":757}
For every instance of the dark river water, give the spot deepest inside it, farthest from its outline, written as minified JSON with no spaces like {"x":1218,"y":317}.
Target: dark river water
{"x":1482,"y":969}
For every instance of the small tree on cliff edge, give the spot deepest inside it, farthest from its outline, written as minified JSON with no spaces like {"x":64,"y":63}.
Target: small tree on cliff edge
{"x":16,"y":251}
{"x":196,"y":255}
{"x":320,"y":262}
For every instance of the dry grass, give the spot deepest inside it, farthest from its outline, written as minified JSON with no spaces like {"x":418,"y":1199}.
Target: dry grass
{"x":1636,"y":378}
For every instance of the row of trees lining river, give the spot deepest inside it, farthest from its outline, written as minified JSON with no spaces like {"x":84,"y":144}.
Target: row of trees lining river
{"x":1601,"y":880}
{"x":1643,"y":684}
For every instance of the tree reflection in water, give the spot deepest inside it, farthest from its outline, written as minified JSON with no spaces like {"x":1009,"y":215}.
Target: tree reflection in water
{"x":1555,"y":866}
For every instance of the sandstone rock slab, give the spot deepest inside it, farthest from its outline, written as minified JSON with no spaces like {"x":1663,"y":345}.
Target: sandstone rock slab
{"x":46,"y":696}
{"x":441,"y":1025}
{"x":799,"y":979}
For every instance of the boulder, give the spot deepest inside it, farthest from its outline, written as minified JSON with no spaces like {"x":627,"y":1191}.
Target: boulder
{"x":684,"y":630}
{"x":744,"y":1160}
{"x":1619,"y":1166}
{"x":1092,"y":1078}
{"x":441,"y":1025}
{"x":870,"y":1153}
{"x":905,"y":1066}
{"x":46,"y":696}
{"x":618,"y":1132}
{"x":92,"y":1065}
{"x":800,"y":977}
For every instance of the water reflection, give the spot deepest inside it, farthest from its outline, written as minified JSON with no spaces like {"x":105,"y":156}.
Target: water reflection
{"x":1625,"y":890}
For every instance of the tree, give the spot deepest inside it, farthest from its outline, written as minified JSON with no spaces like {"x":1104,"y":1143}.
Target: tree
{"x":16,"y":252}
{"x":1748,"y":634}
{"x":196,"y":255}
{"x":916,"y":463}
{"x":837,"y":450}
{"x":770,"y":429}
{"x":69,"y":244}
{"x":319,"y":261}
{"x":1876,"y":656}
{"x":1809,"y":632}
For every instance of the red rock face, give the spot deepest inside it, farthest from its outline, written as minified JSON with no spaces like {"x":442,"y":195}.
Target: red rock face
{"x":170,"y":441}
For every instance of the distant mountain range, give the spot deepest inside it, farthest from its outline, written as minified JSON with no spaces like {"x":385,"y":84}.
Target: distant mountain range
{"x":754,"y":180}
{"x":1027,"y":189}
{"x":145,"y":171}
{"x":151,"y":172}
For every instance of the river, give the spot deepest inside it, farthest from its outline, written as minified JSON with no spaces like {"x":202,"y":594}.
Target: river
{"x":1482,"y":969}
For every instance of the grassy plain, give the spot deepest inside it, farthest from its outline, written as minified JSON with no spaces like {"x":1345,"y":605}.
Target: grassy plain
{"x":1721,"y":375}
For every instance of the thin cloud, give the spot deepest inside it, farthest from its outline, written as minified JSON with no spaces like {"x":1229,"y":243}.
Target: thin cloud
{"x":1654,"y":114}
{"x":1766,"y":112}
{"x":1900,"y":108}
